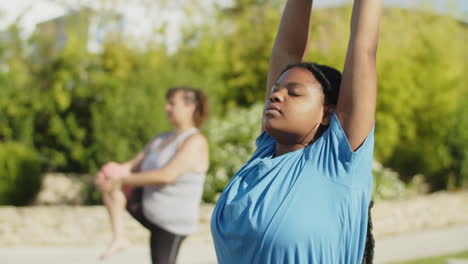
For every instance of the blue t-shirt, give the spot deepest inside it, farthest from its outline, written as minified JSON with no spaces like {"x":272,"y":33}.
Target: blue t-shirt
{"x":306,"y":206}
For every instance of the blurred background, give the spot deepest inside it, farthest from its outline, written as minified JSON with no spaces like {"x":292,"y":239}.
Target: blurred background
{"x":84,"y":82}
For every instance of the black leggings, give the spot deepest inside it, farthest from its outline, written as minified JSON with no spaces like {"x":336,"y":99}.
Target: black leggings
{"x":163,"y":244}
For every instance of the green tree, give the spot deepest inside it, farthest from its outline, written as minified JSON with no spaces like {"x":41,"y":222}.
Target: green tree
{"x":247,"y":31}
{"x":422,"y":83}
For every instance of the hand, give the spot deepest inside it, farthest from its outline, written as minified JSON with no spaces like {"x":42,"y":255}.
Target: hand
{"x":112,"y":182}
{"x":115,"y":169}
{"x":101,"y":176}
{"x":110,"y":174}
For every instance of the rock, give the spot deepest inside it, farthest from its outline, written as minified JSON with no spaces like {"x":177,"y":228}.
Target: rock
{"x":61,"y":225}
{"x":61,"y":189}
{"x":423,"y":212}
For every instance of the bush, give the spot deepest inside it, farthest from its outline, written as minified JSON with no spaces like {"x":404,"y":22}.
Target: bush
{"x":387,"y":184}
{"x":82,"y":109}
{"x":91,"y":194}
{"x":20,"y":174}
{"x":232,"y":142}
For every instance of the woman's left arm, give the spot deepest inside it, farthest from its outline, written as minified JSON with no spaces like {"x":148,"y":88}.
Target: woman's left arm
{"x":192,"y":156}
{"x":358,"y":91}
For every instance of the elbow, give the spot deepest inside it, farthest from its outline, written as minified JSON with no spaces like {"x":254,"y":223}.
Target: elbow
{"x":368,"y":51}
{"x":296,"y":54}
{"x":168,"y":180}
{"x":372,"y":52}
{"x":365,"y":55}
{"x":364,"y":48}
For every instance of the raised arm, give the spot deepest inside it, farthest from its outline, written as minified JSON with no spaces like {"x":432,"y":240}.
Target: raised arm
{"x":358,"y":92}
{"x":292,"y":39}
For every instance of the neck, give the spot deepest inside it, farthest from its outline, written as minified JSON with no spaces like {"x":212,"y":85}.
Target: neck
{"x":181,"y":128}
{"x":283,"y":148}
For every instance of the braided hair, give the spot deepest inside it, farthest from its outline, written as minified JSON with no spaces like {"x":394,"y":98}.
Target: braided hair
{"x":370,"y":241}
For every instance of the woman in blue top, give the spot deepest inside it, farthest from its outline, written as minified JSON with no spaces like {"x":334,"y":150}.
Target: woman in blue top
{"x":304,"y":195}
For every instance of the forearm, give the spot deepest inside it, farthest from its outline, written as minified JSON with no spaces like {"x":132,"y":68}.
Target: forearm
{"x":152,"y":177}
{"x":130,"y":165}
{"x":360,"y":73}
{"x":365,"y":23}
{"x":358,"y":92}
{"x":133,"y":165}
{"x":294,"y":30}
{"x":292,"y":40}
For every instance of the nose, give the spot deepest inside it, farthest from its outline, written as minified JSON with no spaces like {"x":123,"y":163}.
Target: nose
{"x":277,"y":96}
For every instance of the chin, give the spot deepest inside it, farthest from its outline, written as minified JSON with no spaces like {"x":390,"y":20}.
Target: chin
{"x":285,"y":132}
{"x":269,"y":125}
{"x":280,"y":134}
{"x":171,"y":121}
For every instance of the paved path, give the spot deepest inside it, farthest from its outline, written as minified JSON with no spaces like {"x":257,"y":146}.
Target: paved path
{"x":189,"y":254}
{"x":402,"y":247}
{"x":420,"y":245}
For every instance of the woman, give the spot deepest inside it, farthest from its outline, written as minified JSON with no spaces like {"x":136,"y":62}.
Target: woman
{"x":171,"y":169}
{"x":304,"y":195}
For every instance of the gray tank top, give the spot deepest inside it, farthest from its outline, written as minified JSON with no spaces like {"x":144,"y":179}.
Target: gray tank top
{"x":175,"y":206}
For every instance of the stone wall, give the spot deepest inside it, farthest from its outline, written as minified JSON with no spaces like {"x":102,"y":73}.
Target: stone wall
{"x":89,"y":225}
{"x":61,"y":189}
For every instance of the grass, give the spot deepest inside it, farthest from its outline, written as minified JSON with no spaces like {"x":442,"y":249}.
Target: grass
{"x":438,"y":259}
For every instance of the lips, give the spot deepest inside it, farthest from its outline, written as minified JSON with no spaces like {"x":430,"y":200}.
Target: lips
{"x":272,"y":109}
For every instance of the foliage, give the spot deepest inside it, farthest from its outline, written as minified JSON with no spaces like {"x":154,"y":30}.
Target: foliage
{"x":232,"y":142}
{"x":458,"y":144}
{"x":81,"y":109}
{"x":422,"y":84}
{"x":247,"y":51}
{"x":20,"y":174}
{"x":387,"y":184}
{"x":420,"y":97}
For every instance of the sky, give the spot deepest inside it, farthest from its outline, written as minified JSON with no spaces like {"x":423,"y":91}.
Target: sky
{"x":139,"y":18}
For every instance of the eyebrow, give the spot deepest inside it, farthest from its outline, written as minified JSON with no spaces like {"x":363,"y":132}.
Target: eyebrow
{"x":291,"y":84}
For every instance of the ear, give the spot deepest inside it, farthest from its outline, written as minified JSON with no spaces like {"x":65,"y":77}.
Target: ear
{"x":327,"y":114}
{"x":192,"y":106}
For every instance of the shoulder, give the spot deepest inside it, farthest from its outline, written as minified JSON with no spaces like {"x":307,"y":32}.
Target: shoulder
{"x":154,"y":140}
{"x":163,"y":134}
{"x":196,"y":140}
{"x":333,"y":154}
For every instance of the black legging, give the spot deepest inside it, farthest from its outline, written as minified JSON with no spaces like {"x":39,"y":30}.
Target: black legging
{"x":163,"y":244}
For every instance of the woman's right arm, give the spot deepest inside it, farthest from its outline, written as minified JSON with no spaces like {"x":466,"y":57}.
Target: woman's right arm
{"x":292,"y":40}
{"x":132,"y":165}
